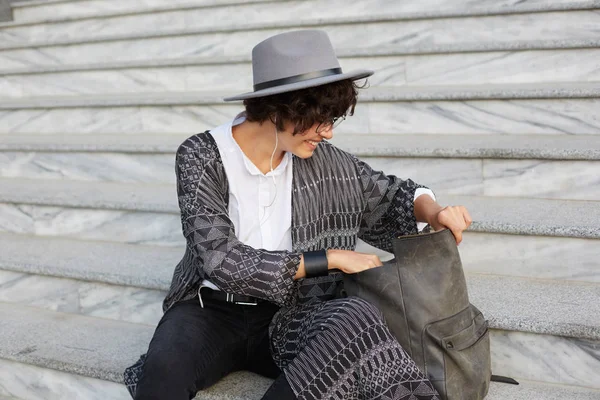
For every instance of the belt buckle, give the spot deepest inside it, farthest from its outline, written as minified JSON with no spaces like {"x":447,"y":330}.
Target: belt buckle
{"x":243,"y":303}
{"x":230,"y":299}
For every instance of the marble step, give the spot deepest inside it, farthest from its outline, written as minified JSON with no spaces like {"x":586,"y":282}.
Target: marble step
{"x":547,"y":147}
{"x":44,"y":11}
{"x":559,"y":167}
{"x":526,"y":66}
{"x":114,"y":344}
{"x":107,"y":280}
{"x":83,"y":357}
{"x":127,"y":282}
{"x":113,"y":212}
{"x":36,"y":12}
{"x":201,"y":16}
{"x":345,"y":32}
{"x":148,"y":214}
{"x":542,"y":108}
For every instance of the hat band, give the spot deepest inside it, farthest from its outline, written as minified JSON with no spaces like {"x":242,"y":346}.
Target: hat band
{"x":297,"y":78}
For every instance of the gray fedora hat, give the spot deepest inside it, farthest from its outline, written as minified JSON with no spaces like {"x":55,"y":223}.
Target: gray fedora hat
{"x":295,"y":60}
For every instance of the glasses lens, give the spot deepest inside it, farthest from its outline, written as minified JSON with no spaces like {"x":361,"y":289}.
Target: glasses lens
{"x":327,"y":125}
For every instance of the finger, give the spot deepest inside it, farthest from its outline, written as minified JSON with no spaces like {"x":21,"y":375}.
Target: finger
{"x":457,"y":235}
{"x":468,"y":218}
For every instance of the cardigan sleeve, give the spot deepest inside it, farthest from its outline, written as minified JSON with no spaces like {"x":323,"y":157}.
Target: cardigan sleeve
{"x":231,"y":265}
{"x":389,"y":207}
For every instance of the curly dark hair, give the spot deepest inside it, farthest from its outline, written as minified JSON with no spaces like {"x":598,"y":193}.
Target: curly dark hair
{"x":305,"y":107}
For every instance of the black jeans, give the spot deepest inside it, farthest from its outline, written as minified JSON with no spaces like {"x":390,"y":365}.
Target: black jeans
{"x":193,"y":347}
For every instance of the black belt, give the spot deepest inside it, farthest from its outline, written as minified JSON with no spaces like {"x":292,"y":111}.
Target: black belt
{"x":208,"y":293}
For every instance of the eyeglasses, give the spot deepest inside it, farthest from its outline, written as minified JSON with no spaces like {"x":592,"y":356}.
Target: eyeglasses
{"x":331,"y":124}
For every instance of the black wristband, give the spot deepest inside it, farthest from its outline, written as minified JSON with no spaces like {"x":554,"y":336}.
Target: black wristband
{"x":315,"y":263}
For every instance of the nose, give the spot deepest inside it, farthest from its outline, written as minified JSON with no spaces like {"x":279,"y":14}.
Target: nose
{"x":327,"y":133}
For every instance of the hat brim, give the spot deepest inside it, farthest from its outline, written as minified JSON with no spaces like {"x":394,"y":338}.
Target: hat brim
{"x":354,"y":75}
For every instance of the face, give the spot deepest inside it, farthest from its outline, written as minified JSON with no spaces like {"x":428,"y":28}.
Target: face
{"x":304,"y":143}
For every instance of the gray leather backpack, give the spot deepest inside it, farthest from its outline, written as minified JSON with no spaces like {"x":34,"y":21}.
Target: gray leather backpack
{"x":423,"y":296}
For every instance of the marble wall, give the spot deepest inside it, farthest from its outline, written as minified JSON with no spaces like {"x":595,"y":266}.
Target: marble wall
{"x":104,"y":167}
{"x":217,"y":17}
{"x":548,"y":179}
{"x":108,"y":225}
{"x":432,"y":69}
{"x":479,"y":31}
{"x":538,"y":257}
{"x":542,"y":179}
{"x":97,"y":7}
{"x":512,"y":117}
{"x":130,"y":304}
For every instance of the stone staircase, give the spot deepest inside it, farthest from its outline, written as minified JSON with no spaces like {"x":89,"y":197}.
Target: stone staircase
{"x":493,"y":104}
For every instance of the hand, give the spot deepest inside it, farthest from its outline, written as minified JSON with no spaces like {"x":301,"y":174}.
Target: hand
{"x":455,"y":218}
{"x":351,"y":262}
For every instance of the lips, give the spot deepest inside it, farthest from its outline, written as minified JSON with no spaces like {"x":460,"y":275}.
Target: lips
{"x":312,"y":144}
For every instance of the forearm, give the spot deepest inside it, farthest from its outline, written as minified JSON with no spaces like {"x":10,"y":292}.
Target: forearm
{"x":347,"y":261}
{"x":426,"y":210}
{"x":253,"y":272}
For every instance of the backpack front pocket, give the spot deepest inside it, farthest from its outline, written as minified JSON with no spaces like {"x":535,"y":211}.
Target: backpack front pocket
{"x":457,"y":354}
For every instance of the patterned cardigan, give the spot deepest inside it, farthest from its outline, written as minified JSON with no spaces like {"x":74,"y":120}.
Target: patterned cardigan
{"x":336,"y":198}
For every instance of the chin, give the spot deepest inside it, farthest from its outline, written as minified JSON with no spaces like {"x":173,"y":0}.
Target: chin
{"x":304,"y":154}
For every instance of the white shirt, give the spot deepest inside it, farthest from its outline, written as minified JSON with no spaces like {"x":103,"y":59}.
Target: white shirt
{"x":266,"y":199}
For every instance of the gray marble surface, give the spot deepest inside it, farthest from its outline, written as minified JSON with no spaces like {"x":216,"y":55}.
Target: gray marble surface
{"x":545,"y":217}
{"x":539,"y":306}
{"x":546,"y":358}
{"x":342,"y":54}
{"x":130,"y":304}
{"x":575,"y":180}
{"x":539,"y":391}
{"x":80,"y":194}
{"x":376,"y":94}
{"x":457,"y":69}
{"x":26,"y":381}
{"x":241,"y":38}
{"x":181,"y":16}
{"x":69,"y":341}
{"x":36,"y":11}
{"x":118,"y":264}
{"x":514,"y":117}
{"x":173,"y":119}
{"x":390,"y":71}
{"x":549,"y":304}
{"x":531,"y":256}
{"x":93,"y":224}
{"x":503,"y":147}
{"x":97,"y":207}
{"x":93,"y":347}
{"x":578,"y":180}
{"x":110,"y":167}
{"x":42,"y":9}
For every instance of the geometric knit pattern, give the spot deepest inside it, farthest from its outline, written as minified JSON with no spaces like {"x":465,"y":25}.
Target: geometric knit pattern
{"x":336,"y":198}
{"x":342,"y":349}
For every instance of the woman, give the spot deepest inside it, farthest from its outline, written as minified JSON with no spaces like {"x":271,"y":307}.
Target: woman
{"x":271,"y":213}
